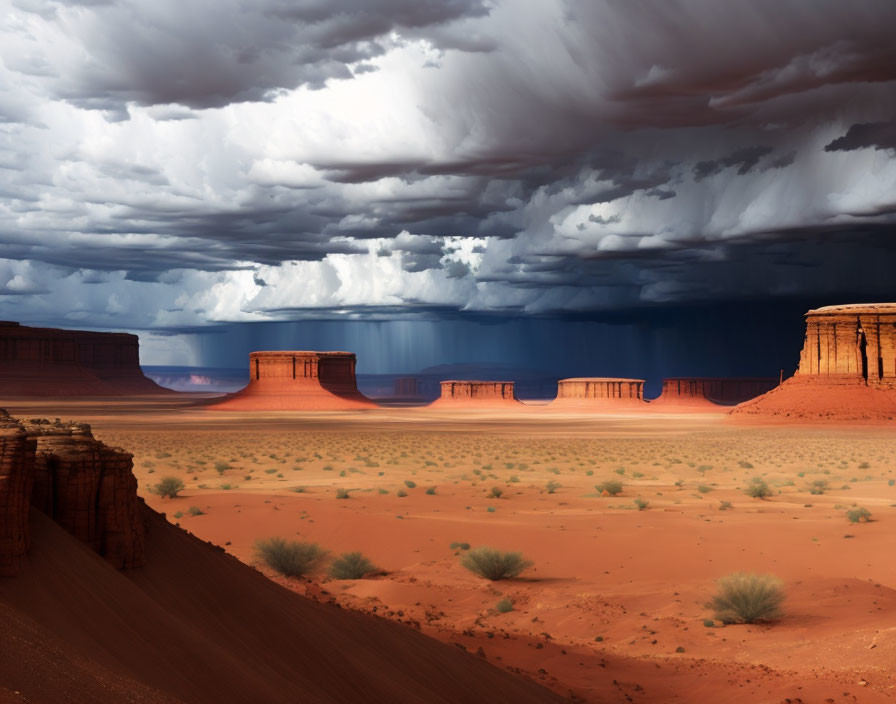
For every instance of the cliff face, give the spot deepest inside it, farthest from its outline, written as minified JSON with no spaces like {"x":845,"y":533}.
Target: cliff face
{"x":847,"y":369}
{"x":706,"y":392}
{"x":851,"y":343}
{"x":16,"y":478}
{"x":476,"y":393}
{"x":82,"y":484}
{"x":298,"y":381}
{"x":598,"y":393}
{"x":51,"y":362}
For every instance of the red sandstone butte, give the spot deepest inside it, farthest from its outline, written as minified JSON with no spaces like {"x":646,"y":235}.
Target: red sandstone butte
{"x":476,"y":394}
{"x":599,"y":393}
{"x":85,"y":486}
{"x":51,"y":362}
{"x":847,"y":369}
{"x":702,"y":393}
{"x":298,"y":381}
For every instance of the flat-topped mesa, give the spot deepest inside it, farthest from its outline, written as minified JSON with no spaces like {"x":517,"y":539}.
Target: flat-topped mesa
{"x":847,"y":368}
{"x":53,"y":362}
{"x":79,"y":482}
{"x":599,"y":393}
{"x":477,"y":394}
{"x":710,"y":393}
{"x":298,"y":381}
{"x":850,"y":344}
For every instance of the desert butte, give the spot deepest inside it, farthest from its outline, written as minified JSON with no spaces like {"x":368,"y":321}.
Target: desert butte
{"x":614,"y":605}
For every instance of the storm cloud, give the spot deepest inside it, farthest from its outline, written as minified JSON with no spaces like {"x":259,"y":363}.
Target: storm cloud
{"x":171,"y":165}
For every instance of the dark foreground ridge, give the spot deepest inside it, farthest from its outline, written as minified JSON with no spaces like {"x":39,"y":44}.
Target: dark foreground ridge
{"x":187,"y":623}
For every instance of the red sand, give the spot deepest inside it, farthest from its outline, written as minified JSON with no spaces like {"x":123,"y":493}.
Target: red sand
{"x":614,"y":592}
{"x":814,"y":398}
{"x":268,"y":395}
{"x":195,"y":625}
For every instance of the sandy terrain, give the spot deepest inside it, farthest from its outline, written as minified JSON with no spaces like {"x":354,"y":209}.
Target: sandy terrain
{"x":614,"y":607}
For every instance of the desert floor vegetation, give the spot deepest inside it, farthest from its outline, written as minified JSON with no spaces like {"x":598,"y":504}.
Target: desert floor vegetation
{"x":495,"y":565}
{"x":640,"y":581}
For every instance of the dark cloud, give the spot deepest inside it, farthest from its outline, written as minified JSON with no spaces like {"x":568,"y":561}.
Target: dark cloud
{"x":557,"y":157}
{"x":876,"y":135}
{"x":744,"y":159}
{"x":210,"y":54}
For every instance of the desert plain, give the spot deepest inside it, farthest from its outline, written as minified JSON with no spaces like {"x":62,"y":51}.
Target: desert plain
{"x":614,"y":606}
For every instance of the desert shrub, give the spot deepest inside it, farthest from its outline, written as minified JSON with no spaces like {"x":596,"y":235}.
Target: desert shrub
{"x":410,"y":484}
{"x":179,"y":514}
{"x":818,"y":486}
{"x":757,"y":488}
{"x":858,"y":514}
{"x":351,"y":565}
{"x":704,"y":488}
{"x":401,"y":492}
{"x":291,"y":558}
{"x":459,"y":546}
{"x":431,"y":490}
{"x":747,"y":598}
{"x":195,"y":511}
{"x":494,"y":564}
{"x":725,"y":505}
{"x":495,"y":492}
{"x":503,"y":606}
{"x":641,"y":503}
{"x":891,"y":482}
{"x":168,"y":487}
{"x":341,"y":494}
{"x":611,"y":486}
{"x":551,"y":487}
{"x":221,"y":467}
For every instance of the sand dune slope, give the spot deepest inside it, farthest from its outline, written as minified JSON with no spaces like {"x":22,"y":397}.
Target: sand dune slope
{"x":196,"y":625}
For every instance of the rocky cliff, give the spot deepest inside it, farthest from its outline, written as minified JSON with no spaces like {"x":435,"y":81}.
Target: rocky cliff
{"x":709,"y":393}
{"x":847,"y":369}
{"x":478,"y":394}
{"x":298,"y":381}
{"x":85,"y":486}
{"x":596,"y":393}
{"x":51,"y":362}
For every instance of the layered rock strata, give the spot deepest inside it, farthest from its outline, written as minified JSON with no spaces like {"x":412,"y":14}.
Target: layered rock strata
{"x":711,"y":392}
{"x":598,"y":393}
{"x":51,"y":362}
{"x":79,"y":482}
{"x":298,"y":381}
{"x":847,"y":368}
{"x":478,"y":394}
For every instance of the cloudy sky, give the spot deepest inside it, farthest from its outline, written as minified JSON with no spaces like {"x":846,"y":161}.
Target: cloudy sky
{"x":181,"y":166}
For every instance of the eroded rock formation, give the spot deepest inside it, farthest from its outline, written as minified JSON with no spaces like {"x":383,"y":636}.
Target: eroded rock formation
{"x":847,"y":368}
{"x":599,"y":393}
{"x":298,"y":381}
{"x":81,"y":483}
{"x":711,"y":392}
{"x":16,"y":478}
{"x":476,"y":393}
{"x":51,"y":362}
